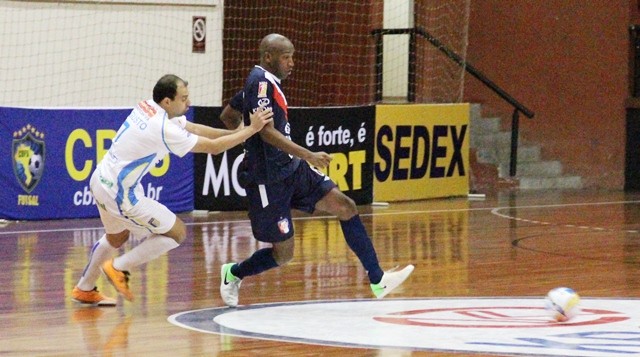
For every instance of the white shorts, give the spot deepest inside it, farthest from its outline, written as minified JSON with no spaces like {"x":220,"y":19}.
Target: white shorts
{"x":146,"y":216}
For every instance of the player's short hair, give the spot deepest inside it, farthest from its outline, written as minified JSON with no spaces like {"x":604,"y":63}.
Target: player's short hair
{"x":274,"y":43}
{"x":167,"y":87}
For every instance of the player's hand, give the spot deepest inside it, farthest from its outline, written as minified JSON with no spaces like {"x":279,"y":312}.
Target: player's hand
{"x":319,"y":159}
{"x":261,"y":117}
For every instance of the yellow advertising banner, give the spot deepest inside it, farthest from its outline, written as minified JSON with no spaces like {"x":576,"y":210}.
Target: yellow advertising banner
{"x":421,"y":151}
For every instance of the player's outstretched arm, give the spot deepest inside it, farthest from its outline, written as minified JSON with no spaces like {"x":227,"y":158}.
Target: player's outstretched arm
{"x":275,"y":138}
{"x":231,"y":118}
{"x":231,"y":114}
{"x":216,"y":146}
{"x":206,"y":131}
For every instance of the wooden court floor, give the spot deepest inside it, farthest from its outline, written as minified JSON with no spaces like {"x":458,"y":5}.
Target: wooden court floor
{"x":509,"y":244}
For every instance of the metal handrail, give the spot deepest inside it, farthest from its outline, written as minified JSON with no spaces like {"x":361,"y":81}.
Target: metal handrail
{"x":518,"y":107}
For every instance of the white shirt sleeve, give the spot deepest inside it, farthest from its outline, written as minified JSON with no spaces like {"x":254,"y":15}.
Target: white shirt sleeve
{"x":177,"y":139}
{"x":181,"y":120}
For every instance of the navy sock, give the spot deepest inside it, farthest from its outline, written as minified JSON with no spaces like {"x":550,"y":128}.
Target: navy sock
{"x":260,"y":261}
{"x":360,"y":243}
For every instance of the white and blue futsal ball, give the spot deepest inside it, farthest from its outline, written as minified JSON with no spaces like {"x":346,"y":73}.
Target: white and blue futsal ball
{"x":35,"y":166}
{"x":562,"y":303}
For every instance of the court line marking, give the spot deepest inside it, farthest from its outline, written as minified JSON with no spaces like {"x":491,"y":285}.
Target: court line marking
{"x":208,"y":316}
{"x":493,"y":210}
{"x":520,"y":243}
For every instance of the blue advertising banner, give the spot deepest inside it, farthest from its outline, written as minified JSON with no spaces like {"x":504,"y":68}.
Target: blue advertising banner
{"x":47,"y":157}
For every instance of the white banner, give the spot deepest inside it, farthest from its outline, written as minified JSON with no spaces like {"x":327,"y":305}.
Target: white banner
{"x":200,"y":3}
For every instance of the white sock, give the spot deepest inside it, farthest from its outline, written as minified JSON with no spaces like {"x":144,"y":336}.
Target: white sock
{"x":148,"y":250}
{"x":100,"y":253}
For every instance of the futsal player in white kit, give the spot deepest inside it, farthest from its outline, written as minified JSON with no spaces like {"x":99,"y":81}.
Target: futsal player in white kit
{"x":154,"y":128}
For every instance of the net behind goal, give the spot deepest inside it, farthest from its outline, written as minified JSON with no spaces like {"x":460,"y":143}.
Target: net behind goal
{"x":336,"y":49}
{"x":107,"y":53}
{"x":440,"y":79}
{"x":103,"y":53}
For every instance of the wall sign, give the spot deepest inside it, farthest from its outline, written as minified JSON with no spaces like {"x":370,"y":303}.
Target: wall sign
{"x":199,"y":34}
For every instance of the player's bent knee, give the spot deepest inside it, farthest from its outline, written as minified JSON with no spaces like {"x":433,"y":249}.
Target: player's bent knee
{"x":347,"y":209}
{"x":116,"y":240}
{"x":280,"y":260}
{"x":283,"y":251}
{"x":179,"y":239}
{"x":282,"y":257}
{"x":178,"y":232}
{"x":339,"y":204}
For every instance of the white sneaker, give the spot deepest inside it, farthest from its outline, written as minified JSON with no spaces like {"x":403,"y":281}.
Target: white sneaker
{"x":229,"y":285}
{"x":391,"y":280}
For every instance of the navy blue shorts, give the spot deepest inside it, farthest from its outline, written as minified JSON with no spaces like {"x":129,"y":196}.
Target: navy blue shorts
{"x":270,"y":204}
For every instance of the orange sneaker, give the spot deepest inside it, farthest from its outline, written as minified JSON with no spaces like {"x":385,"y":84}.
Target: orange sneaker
{"x":92,"y":297}
{"x":119,"y":279}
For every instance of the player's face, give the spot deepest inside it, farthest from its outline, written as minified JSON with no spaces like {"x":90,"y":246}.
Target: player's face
{"x":283,"y":64}
{"x":180,"y":104}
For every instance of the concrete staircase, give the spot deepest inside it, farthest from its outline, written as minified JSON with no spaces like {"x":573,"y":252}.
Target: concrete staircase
{"x":492,"y":147}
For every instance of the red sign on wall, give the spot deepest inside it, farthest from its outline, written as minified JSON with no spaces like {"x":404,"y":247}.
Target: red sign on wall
{"x":199,"y":34}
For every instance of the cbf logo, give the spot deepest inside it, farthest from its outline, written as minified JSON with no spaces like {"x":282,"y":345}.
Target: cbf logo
{"x":28,"y":153}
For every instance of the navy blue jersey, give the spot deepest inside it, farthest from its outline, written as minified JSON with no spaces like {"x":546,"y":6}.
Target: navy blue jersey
{"x":236,"y":102}
{"x":265,"y":163}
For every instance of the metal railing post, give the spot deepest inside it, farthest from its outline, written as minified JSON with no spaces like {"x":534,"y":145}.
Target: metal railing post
{"x":513,"y":157}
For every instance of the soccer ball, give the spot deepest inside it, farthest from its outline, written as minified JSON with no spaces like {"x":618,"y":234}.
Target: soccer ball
{"x":562,"y":303}
{"x":35,"y":166}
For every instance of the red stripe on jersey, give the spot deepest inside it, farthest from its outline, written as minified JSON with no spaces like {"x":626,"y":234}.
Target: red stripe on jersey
{"x":147,"y":109}
{"x":279,"y":98}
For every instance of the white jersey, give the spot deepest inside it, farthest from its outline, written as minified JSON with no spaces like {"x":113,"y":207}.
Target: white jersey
{"x":145,"y":137}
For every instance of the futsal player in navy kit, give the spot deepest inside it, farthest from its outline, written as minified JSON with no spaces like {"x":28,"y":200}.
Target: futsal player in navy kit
{"x":281,"y":175}
{"x":231,"y":114}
